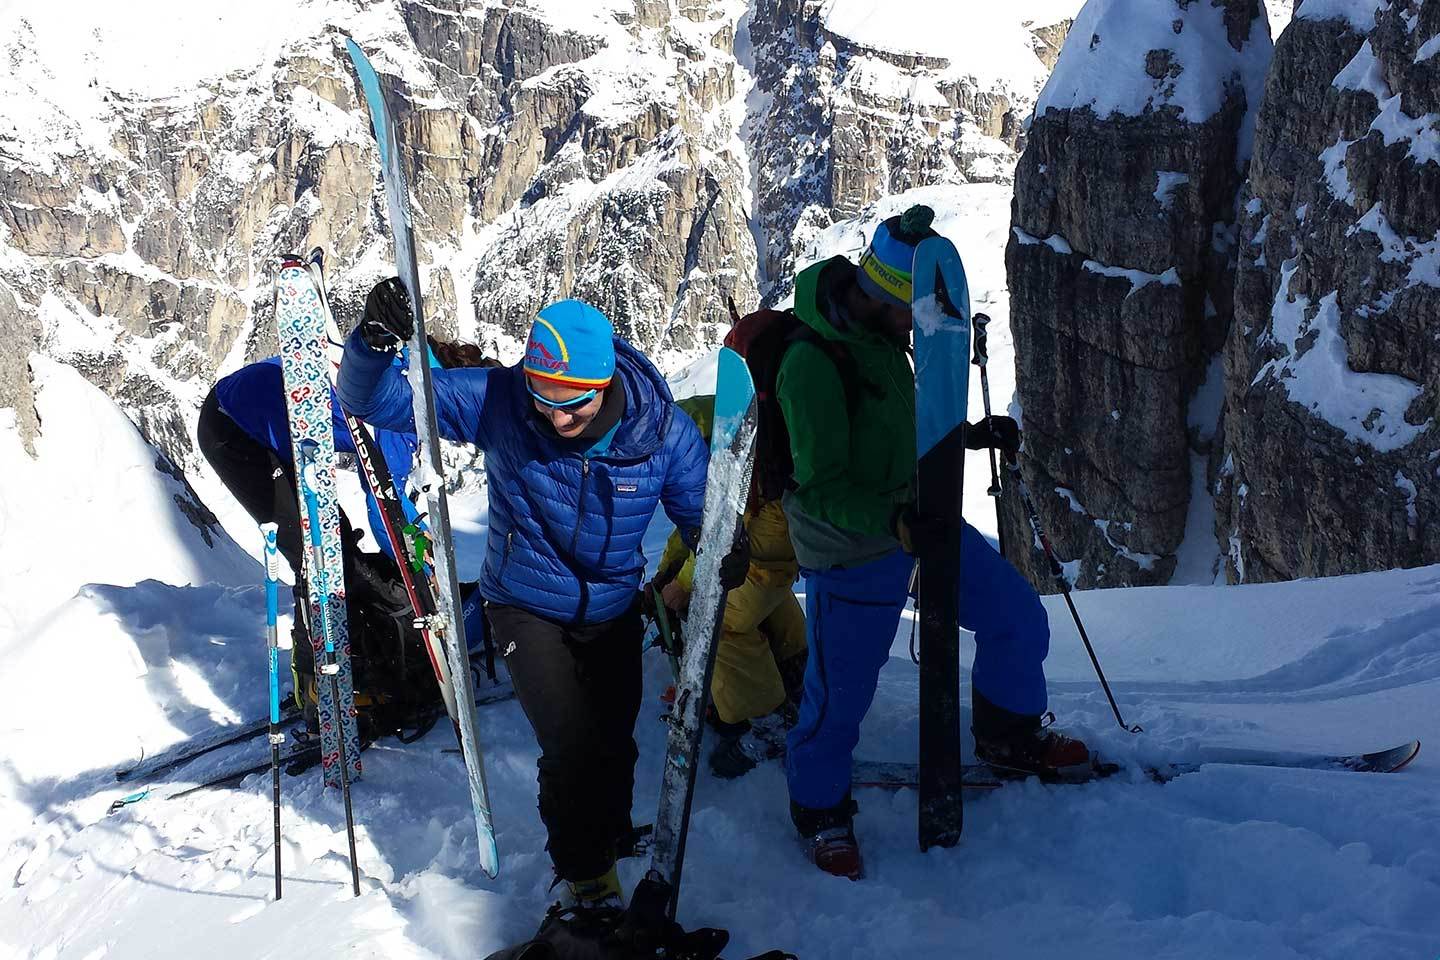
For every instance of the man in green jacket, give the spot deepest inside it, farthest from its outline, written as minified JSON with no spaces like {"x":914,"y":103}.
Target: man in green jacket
{"x":855,"y":529}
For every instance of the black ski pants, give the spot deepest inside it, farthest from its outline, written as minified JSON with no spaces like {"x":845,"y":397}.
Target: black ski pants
{"x":258,"y":478}
{"x":580,"y":688}
{"x":262,"y":482}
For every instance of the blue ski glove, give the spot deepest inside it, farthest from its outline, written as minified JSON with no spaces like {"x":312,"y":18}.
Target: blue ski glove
{"x":388,"y":323}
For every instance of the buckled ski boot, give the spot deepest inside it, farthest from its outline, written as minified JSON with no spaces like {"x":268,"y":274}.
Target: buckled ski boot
{"x":599,"y":893}
{"x":743,"y":746}
{"x":830,"y":838}
{"x":1047,"y":754}
{"x":1020,"y":745}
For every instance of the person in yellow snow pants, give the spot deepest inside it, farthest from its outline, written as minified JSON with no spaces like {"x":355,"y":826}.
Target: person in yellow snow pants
{"x":760,"y":657}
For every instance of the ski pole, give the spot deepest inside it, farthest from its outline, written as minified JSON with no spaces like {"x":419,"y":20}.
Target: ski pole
{"x":982,"y":357}
{"x":272,"y":643}
{"x":332,"y":664}
{"x":1012,"y":463}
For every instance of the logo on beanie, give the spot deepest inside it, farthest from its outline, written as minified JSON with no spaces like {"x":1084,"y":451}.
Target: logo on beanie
{"x":895,"y":282}
{"x":570,"y":343}
{"x":539,"y":358}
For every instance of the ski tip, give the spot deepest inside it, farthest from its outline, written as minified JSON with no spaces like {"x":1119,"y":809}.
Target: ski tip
{"x":489,"y":858}
{"x":1394,"y":759}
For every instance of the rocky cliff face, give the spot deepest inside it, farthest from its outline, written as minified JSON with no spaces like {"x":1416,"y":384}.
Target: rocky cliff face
{"x":1331,"y":445}
{"x":615,"y":151}
{"x":553,"y":151}
{"x":844,"y":120}
{"x":1120,"y":266}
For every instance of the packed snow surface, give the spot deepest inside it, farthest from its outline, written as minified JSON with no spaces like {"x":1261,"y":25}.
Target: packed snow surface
{"x":1359,"y":14}
{"x":987,"y":41}
{"x":1232,"y":861}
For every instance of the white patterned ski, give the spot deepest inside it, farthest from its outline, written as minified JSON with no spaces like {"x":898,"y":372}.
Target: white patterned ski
{"x":300,"y":323}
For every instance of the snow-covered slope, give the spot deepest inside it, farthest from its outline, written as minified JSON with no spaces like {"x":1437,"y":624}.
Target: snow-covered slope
{"x":1233,"y":861}
{"x":1243,"y":862}
{"x":96,"y":505}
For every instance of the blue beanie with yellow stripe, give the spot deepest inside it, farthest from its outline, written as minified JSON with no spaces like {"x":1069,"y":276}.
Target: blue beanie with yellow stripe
{"x":572,"y":344}
{"x":885,"y":269}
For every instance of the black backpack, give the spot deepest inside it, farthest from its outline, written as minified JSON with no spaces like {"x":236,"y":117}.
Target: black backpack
{"x":396,"y":692}
{"x":762,"y":337}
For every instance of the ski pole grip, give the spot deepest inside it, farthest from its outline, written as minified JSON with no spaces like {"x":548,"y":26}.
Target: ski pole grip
{"x":982,"y":351}
{"x":272,"y":553}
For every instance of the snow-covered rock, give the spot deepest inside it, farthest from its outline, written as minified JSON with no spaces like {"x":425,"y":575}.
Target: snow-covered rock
{"x":1120,"y":268}
{"x":855,"y":101}
{"x":1331,"y":459}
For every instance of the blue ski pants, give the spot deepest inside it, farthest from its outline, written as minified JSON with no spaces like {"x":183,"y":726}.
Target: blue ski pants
{"x":852,"y":615}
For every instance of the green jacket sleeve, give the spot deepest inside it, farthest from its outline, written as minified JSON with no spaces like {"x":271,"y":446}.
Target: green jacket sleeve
{"x":812,"y":399}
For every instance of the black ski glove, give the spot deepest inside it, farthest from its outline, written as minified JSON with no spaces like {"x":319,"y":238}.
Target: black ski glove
{"x":388,"y":322}
{"x":919,"y":536}
{"x":735,"y":565}
{"x":1001,"y":433}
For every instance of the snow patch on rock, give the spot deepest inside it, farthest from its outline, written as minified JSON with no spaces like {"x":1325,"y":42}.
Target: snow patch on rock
{"x":1368,"y":408}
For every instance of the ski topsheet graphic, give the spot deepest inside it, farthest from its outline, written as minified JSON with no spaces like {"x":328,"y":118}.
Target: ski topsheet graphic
{"x":375,"y":475}
{"x":940,"y":305}
{"x":445,"y":622}
{"x":727,"y":484}
{"x":300,"y":322}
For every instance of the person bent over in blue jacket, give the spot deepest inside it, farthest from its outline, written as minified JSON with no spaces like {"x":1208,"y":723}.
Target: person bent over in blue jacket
{"x":244,"y":433}
{"x":582,"y":443}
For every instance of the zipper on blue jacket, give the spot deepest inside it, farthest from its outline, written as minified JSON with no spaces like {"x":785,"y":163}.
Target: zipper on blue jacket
{"x":505,"y":557}
{"x":580,"y":504}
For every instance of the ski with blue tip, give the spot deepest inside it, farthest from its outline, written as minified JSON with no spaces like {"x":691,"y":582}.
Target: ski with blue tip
{"x":445,"y":622}
{"x":940,"y":307}
{"x":727,"y":486}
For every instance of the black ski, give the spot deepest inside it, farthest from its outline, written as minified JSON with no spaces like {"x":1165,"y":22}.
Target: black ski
{"x":297,"y":760}
{"x":940,"y":303}
{"x":198,"y":746}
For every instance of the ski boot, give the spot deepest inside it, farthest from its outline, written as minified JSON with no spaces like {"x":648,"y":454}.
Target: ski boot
{"x":830,"y":838}
{"x":600,"y":893}
{"x":743,"y":746}
{"x":1018,"y":745}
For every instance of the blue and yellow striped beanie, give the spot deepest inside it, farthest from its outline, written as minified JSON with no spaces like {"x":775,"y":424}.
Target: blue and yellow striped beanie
{"x":571,"y":343}
{"x":884,"y":272}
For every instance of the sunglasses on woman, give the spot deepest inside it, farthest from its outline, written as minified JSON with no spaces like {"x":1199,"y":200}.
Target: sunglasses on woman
{"x":570,"y":404}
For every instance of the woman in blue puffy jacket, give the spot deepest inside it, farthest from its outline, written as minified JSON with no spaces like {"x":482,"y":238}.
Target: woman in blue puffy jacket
{"x":582,"y":443}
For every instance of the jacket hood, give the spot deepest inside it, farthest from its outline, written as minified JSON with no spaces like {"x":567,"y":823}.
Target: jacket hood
{"x":648,"y":405}
{"x":813,"y":302}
